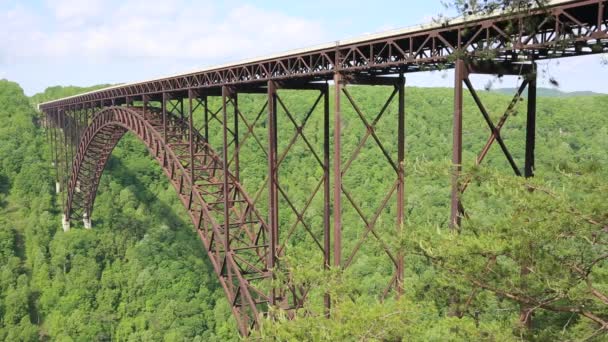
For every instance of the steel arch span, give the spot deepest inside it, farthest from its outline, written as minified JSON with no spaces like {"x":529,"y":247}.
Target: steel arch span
{"x":242,"y":268}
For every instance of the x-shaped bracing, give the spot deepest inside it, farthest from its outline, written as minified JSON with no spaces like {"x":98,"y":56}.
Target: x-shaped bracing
{"x":370,"y":223}
{"x":527,"y":72}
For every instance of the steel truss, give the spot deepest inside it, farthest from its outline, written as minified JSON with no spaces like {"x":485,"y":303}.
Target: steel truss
{"x":568,"y":29}
{"x":395,"y":254}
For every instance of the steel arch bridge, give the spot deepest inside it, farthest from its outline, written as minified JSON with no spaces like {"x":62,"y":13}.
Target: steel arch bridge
{"x":241,"y":232}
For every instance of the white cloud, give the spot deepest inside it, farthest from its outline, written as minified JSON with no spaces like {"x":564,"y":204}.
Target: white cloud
{"x":74,"y":12}
{"x":96,"y":30}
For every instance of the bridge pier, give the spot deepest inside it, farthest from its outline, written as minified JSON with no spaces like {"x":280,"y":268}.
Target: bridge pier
{"x":463,"y":69}
{"x":530,"y":128}
{"x":455,"y":205}
{"x":86,"y":220}
{"x":394,"y":161}
{"x":273,"y":181}
{"x":337,"y":186}
{"x":65,"y":223}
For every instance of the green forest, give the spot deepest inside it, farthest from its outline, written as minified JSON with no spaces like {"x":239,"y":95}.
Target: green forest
{"x":141,"y":273}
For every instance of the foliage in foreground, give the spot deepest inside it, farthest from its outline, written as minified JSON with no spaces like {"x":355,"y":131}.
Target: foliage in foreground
{"x":528,"y":249}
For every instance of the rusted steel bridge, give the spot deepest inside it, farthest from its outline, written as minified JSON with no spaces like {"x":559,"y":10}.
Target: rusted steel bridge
{"x":241,"y":230}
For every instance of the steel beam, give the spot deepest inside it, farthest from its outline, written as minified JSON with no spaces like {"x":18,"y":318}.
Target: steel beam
{"x":191,"y":137}
{"x":65,"y":154}
{"x":235,"y":134}
{"x":531,"y":127}
{"x":226,"y":93}
{"x":401,"y":182}
{"x":273,"y":193}
{"x":326,"y":192}
{"x":495,"y":131}
{"x":206,"y":117}
{"x":55,"y":148}
{"x":337,"y":210}
{"x":164,"y":114}
{"x":460,"y":74}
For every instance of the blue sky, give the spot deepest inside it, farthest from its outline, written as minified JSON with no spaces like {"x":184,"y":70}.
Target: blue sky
{"x":86,"y":42}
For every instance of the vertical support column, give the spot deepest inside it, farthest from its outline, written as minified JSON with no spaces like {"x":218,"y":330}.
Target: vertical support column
{"x":531,"y":126}
{"x":144,"y":100}
{"x":83,"y":119}
{"x":326,"y":193}
{"x":69,"y":129}
{"x":273,"y":193}
{"x":237,"y":168}
{"x":181,"y":107}
{"x":68,"y":141}
{"x":66,"y":169}
{"x":54,"y":149}
{"x":338,"y":84}
{"x":47,"y":127}
{"x":401,"y":184}
{"x":525,"y":315}
{"x":57,"y":131}
{"x":79,"y":122}
{"x":226,"y":171}
{"x":191,"y":141}
{"x":76,"y":120}
{"x":459,"y":76}
{"x":65,"y":222}
{"x":87,"y":115}
{"x":164,"y":109}
{"x":86,"y":215}
{"x":206,"y":117}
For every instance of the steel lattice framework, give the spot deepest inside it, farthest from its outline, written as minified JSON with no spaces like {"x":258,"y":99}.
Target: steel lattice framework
{"x":246,"y":244}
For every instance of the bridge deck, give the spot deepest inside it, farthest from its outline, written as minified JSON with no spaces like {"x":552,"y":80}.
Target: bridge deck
{"x":561,"y":29}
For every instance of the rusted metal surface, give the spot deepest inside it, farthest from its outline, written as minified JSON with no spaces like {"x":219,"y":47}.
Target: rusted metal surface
{"x":401,"y":182}
{"x":455,"y":206}
{"x":326,"y":192}
{"x":337,"y":161}
{"x":273,"y":194}
{"x":530,"y":129}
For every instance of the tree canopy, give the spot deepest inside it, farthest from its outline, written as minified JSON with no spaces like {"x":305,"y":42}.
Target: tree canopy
{"x":141,"y":272}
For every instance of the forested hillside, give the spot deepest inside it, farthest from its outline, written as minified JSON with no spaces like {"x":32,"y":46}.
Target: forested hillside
{"x":140,"y":274}
{"x":550,"y":92}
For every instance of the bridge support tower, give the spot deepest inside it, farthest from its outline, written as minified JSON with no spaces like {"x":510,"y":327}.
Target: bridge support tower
{"x":463,"y":69}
